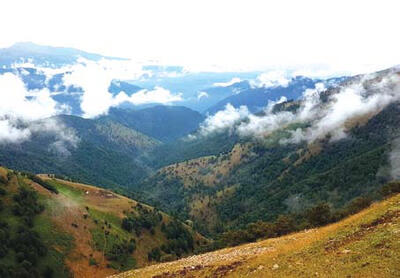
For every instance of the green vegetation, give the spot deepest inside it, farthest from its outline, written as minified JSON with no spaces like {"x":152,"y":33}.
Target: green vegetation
{"x":180,"y":240}
{"x":116,"y":244}
{"x":283,"y":179}
{"x":316,"y":216}
{"x":42,"y":182}
{"x":25,"y":250}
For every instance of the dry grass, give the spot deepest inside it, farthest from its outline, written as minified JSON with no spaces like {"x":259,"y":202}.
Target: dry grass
{"x":207,"y":169}
{"x":68,"y":209}
{"x":364,"y":245}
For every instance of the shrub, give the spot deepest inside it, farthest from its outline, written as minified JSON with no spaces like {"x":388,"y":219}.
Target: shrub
{"x":319,"y":215}
{"x":154,"y":254}
{"x":390,"y":188}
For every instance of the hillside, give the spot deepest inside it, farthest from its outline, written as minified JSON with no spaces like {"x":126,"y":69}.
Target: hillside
{"x":364,"y":245}
{"x":223,"y":192}
{"x":91,"y":150}
{"x":71,"y":228}
{"x":164,"y":123}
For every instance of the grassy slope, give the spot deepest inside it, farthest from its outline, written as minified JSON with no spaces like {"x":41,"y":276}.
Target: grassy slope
{"x":364,"y":245}
{"x":101,"y":206}
{"x":57,"y":242}
{"x":74,"y":224}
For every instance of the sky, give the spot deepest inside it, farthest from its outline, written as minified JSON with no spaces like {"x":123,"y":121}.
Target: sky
{"x":234,"y":35}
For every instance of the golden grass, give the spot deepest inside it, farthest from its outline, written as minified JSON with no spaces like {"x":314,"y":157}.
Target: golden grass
{"x":364,"y":245}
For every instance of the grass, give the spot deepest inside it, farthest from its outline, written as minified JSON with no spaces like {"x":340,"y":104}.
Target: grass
{"x":73,"y":227}
{"x":59,"y":245}
{"x":116,"y":236}
{"x":49,"y":234}
{"x":364,"y":245}
{"x":68,"y":191}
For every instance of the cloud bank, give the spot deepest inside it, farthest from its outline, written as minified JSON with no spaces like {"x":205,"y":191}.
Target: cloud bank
{"x":95,"y":78}
{"x":225,"y":119}
{"x":273,"y":78}
{"x":360,"y":98}
{"x":394,"y":159}
{"x":22,"y":113}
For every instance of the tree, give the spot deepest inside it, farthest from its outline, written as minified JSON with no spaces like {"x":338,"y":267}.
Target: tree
{"x":319,"y":215}
{"x":284,"y":225}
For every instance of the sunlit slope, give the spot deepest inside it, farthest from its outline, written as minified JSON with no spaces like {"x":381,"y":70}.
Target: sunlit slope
{"x":82,"y":227}
{"x":364,"y":245}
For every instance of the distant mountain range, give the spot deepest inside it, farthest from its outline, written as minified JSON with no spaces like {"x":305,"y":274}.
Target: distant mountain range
{"x":236,"y":173}
{"x":257,"y":98}
{"x":45,"y":56}
{"x":206,"y":92}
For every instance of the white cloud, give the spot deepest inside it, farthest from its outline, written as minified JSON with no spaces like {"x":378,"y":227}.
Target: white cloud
{"x":158,"y":95}
{"x":361,"y":98}
{"x":228,"y":83}
{"x":225,"y":119}
{"x":350,"y":102}
{"x":394,"y":159}
{"x":22,"y":110}
{"x":10,"y":133}
{"x":273,"y":78}
{"x":95,"y":78}
{"x":16,"y":103}
{"x":201,"y":95}
{"x":64,"y":137}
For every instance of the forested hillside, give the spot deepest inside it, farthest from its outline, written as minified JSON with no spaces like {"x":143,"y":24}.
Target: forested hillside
{"x":51,"y":227}
{"x":263,"y":179}
{"x":363,"y":245}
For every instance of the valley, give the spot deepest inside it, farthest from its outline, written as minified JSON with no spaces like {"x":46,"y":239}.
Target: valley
{"x":111,"y":167}
{"x":361,"y":245}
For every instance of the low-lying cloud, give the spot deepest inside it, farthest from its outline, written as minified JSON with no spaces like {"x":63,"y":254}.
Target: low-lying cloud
{"x":394,"y":159}
{"x":95,"y":78}
{"x":273,"y":78}
{"x":24,"y":113}
{"x":225,"y":119}
{"x":367,"y":96}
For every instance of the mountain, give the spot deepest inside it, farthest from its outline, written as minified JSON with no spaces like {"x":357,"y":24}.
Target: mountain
{"x":192,"y":83}
{"x":51,"y":227}
{"x":208,"y":97}
{"x":110,"y":151}
{"x":48,"y":56}
{"x":36,"y":79}
{"x":97,"y":151}
{"x":364,"y":245}
{"x":261,"y":177}
{"x":165,"y":123}
{"x":258,"y":97}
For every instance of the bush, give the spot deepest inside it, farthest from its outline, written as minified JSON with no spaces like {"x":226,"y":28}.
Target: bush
{"x":390,"y":189}
{"x":43,"y":183}
{"x":154,"y":254}
{"x":319,"y":215}
{"x":284,"y":224}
